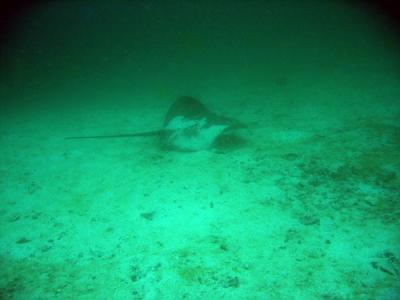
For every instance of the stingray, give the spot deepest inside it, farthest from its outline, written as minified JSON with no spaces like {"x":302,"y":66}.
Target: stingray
{"x":189,"y":126}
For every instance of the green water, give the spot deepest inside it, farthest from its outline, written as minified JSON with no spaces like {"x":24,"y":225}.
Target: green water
{"x":305,"y":206}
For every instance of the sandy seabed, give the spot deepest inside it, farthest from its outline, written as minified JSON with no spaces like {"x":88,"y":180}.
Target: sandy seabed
{"x":307,"y":208}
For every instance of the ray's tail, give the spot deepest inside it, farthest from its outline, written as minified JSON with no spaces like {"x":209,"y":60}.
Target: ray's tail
{"x":127,"y":135}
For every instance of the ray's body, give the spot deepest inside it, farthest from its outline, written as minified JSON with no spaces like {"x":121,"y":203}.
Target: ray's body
{"x":188,"y":126}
